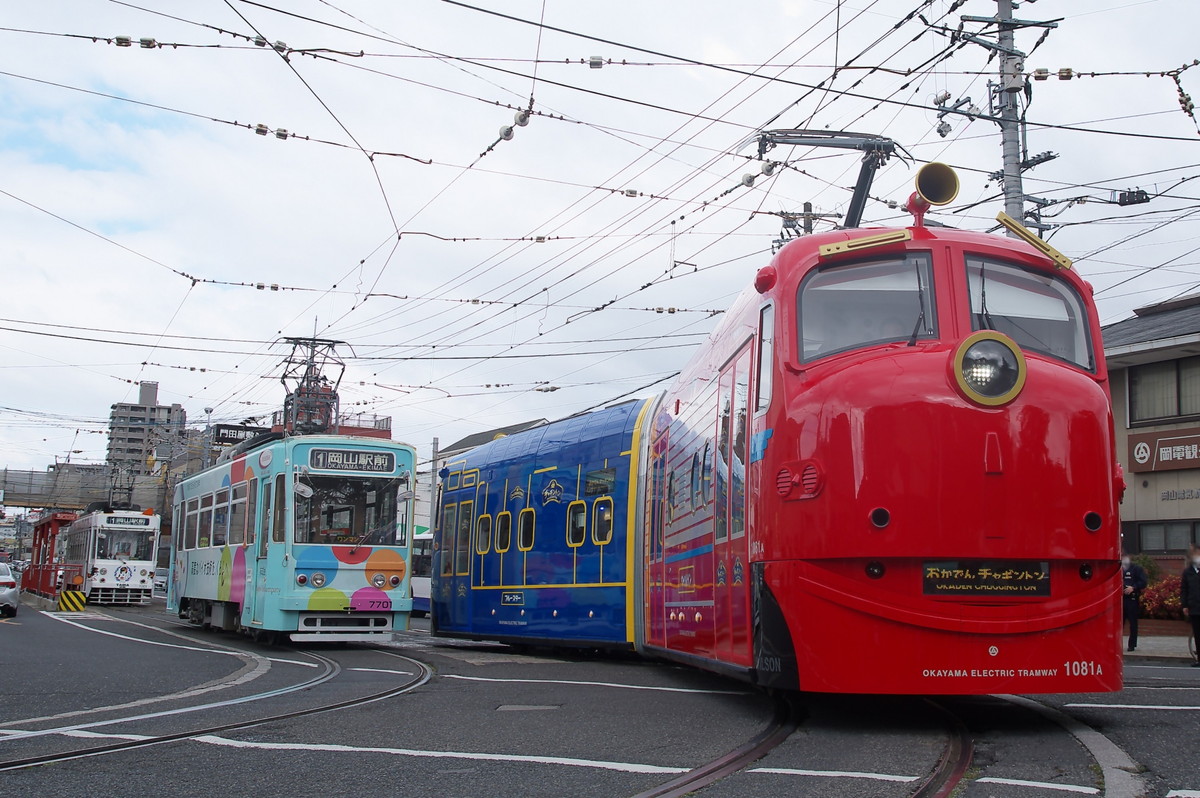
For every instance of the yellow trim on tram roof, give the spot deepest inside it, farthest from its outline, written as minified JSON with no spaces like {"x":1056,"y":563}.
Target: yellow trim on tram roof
{"x":1029,"y":238}
{"x":863,"y":242}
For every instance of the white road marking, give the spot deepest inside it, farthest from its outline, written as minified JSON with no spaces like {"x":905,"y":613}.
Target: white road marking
{"x":623,"y":767}
{"x":597,"y":684}
{"x":1044,"y":785}
{"x":1134,"y":706}
{"x":382,"y":670}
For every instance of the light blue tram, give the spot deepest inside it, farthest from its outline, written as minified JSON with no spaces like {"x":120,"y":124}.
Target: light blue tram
{"x":303,"y":537}
{"x":535,"y":535}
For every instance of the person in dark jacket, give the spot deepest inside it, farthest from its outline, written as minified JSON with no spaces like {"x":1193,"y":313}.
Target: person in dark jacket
{"x":1135,"y":583}
{"x":1189,"y":595}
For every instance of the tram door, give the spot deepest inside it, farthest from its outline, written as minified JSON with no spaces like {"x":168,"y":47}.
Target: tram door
{"x":270,"y":530}
{"x":654,"y":578}
{"x":731,"y":595}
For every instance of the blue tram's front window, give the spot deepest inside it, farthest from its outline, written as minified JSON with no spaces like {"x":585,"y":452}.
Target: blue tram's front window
{"x":874,"y":302}
{"x":353,"y":510}
{"x":1040,"y":311}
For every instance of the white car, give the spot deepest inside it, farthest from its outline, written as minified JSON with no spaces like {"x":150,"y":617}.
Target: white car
{"x":160,"y":579}
{"x":10,"y":596}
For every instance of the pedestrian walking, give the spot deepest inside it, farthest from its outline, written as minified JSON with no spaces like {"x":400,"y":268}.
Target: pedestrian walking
{"x":1189,"y":595}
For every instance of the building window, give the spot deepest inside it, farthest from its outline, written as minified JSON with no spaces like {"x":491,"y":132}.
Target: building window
{"x":1170,"y":389}
{"x":1169,"y":536}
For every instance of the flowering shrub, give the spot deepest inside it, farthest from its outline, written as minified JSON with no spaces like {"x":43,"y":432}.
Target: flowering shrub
{"x":1161,"y":599}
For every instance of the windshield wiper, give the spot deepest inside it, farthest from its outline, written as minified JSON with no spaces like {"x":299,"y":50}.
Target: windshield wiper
{"x":912,"y":341}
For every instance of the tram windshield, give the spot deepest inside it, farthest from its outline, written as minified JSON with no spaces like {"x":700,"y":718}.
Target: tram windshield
{"x":1037,"y":310}
{"x":125,"y":544}
{"x":351,"y":510}
{"x":848,"y":307}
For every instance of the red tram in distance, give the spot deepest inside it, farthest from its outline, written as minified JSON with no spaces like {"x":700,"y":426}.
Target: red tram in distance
{"x":890,"y":469}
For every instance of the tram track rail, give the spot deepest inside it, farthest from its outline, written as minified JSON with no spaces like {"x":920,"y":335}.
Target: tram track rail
{"x":422,"y":674}
{"x":956,"y":757}
{"x":779,"y":729}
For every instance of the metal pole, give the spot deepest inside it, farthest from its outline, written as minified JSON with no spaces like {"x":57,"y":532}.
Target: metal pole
{"x":433,"y":478}
{"x":1012,"y":80}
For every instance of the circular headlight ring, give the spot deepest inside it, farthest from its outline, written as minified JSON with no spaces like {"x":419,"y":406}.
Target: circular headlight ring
{"x":318,"y":579}
{"x":379,"y":580}
{"x":980,"y":345}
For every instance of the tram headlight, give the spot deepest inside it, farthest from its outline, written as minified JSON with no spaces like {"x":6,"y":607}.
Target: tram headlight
{"x":989,"y":368}
{"x":318,"y":579}
{"x":103,"y":571}
{"x":379,"y":580}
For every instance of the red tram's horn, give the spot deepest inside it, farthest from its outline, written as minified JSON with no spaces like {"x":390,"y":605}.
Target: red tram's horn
{"x":937,"y":184}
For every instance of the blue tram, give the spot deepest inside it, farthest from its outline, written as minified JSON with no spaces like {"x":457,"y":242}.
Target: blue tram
{"x":535,"y":540}
{"x":302,"y":537}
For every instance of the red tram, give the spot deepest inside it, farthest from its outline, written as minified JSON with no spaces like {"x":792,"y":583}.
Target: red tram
{"x":917,"y":483}
{"x":891,"y":469}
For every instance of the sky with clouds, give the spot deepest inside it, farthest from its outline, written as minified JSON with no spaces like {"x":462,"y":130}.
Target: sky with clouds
{"x":171,"y":209}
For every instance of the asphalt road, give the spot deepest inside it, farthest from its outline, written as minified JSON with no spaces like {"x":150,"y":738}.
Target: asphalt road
{"x":493,"y":720}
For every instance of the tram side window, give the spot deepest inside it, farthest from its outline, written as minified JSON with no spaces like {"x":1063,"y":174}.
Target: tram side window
{"x":251,"y":510}
{"x":602,"y":521}
{"x":462,"y":543}
{"x":237,"y":515}
{"x":279,"y":527}
{"x":422,"y":557}
{"x":192,"y":524}
{"x":525,"y":525}
{"x":766,"y":357}
{"x":576,"y":524}
{"x":483,"y":534}
{"x":206,"y":514}
{"x":449,"y":527}
{"x":221,"y":518}
{"x":737,"y":455}
{"x":264,"y":527}
{"x":503,"y":531}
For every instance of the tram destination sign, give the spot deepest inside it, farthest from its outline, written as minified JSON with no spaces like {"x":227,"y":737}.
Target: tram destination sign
{"x":127,"y":520}
{"x":986,"y":578}
{"x":352,"y":460}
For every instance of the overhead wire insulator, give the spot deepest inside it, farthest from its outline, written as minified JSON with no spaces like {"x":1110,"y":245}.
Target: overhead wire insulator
{"x":521,"y":118}
{"x":123,"y":41}
{"x":506,"y":133}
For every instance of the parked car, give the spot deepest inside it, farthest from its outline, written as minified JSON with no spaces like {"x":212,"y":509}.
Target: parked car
{"x":160,"y":579}
{"x":10,"y":596}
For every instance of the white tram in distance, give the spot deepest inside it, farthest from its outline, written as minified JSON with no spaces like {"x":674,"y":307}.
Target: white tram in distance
{"x":113,"y":548}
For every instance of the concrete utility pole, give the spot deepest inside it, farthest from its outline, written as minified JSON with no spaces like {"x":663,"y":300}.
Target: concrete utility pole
{"x":1005,"y":99}
{"x":1012,"y":81}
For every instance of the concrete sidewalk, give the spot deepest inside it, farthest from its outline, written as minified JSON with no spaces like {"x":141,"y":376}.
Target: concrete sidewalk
{"x":1163,"y":647}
